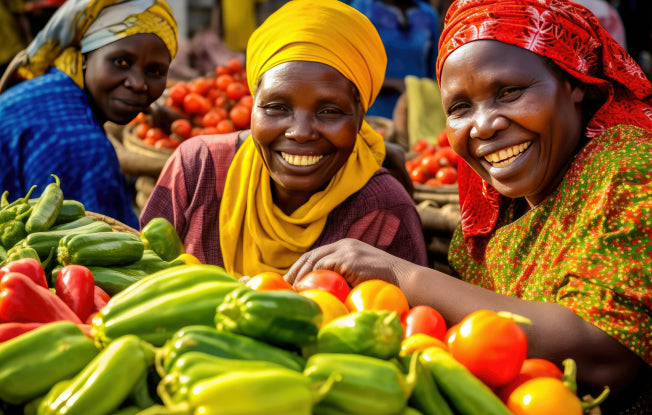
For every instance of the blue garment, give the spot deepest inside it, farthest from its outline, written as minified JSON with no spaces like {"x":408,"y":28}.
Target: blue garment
{"x":411,"y":45}
{"x":47,"y":127}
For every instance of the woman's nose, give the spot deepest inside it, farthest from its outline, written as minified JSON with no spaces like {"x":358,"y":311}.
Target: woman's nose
{"x":136,"y":81}
{"x":486,"y":123}
{"x":302,"y":127}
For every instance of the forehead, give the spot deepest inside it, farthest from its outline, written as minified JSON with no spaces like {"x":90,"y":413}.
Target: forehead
{"x":491,"y":58}
{"x":141,"y":44}
{"x":281,"y":76}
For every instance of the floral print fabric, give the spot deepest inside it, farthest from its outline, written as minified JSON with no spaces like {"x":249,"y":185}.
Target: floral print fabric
{"x":588,"y":246}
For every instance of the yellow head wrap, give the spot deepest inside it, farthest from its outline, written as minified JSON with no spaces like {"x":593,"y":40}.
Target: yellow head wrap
{"x":255,"y":234}
{"x":81,"y":26}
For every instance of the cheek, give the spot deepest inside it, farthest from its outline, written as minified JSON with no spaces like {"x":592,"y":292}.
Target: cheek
{"x":457,"y":137}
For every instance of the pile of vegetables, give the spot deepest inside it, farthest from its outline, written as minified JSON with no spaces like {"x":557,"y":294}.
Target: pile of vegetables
{"x":433,"y":163}
{"x":219,"y":103}
{"x":182,"y":337}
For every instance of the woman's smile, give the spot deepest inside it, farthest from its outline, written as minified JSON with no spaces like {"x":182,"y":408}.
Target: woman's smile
{"x":301,"y":160}
{"x":506,"y":156}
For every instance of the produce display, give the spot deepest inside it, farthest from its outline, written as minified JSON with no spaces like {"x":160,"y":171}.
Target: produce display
{"x":103,"y":321}
{"x":434,"y":163}
{"x":219,"y":103}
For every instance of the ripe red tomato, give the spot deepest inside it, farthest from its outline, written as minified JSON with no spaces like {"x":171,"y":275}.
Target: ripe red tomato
{"x":155,"y":134}
{"x":442,"y":139}
{"x":325,"y":280}
{"x":532,"y":368}
{"x":431,"y":163}
{"x":225,"y":126}
{"x":247,"y":101}
{"x":420,"y":145}
{"x":181,"y":127}
{"x":241,"y":116}
{"x":446,"y":156}
{"x":199,"y":86}
{"x":178,"y":92}
{"x":492,"y":346}
{"x":236,"y":90}
{"x":223,"y":81}
{"x":423,"y":319}
{"x":211,"y":118}
{"x":194,"y":103}
{"x":234,"y":65}
{"x":141,"y":130}
{"x":447,"y":175}
{"x":167,"y":142}
{"x":419,"y":174}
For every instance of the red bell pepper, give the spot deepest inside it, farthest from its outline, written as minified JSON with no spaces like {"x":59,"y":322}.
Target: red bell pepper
{"x":10,"y":330}
{"x":23,"y":300}
{"x":100,"y":298}
{"x":27,"y":266}
{"x":75,"y":285}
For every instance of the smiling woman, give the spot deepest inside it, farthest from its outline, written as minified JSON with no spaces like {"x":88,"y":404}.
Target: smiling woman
{"x":310,"y":170}
{"x":94,"y":61}
{"x":553,"y":123}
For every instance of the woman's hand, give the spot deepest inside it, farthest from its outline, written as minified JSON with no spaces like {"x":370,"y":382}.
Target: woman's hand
{"x":353,"y":259}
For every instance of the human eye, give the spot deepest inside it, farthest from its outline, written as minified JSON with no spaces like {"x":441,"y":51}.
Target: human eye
{"x":510,"y":93}
{"x":330,"y":112}
{"x":122,"y":62}
{"x":457,"y":108}
{"x":157,"y":71}
{"x":274,"y":108}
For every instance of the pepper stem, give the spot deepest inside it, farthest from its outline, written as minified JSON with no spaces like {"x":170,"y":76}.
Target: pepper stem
{"x":517,"y":318}
{"x":570,"y":374}
{"x":321,"y":389}
{"x":586,"y":406}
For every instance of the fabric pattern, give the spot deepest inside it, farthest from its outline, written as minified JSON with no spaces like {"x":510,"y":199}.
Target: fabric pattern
{"x":190,"y":189}
{"x":588,"y":246}
{"x":572,"y":37}
{"x":47,"y":127}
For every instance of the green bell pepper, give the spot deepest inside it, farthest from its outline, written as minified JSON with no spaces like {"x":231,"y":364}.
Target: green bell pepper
{"x":160,"y":236}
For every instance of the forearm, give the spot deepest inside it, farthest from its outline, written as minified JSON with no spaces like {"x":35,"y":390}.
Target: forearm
{"x":556,"y":333}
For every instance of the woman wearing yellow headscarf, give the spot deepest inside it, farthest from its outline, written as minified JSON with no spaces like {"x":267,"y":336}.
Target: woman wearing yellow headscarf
{"x":94,"y":61}
{"x":310,"y":170}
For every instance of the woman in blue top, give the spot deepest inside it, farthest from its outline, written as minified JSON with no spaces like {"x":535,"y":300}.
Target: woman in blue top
{"x":409,"y":30}
{"x":95,"y":61}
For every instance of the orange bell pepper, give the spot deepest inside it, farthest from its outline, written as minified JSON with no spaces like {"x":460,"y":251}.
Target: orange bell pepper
{"x":376,"y":295}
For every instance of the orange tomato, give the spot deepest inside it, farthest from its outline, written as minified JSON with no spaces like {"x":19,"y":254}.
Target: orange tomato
{"x":234,"y":65}
{"x":194,"y":103}
{"x":268,"y":281}
{"x":199,"y":86}
{"x":331,"y":306}
{"x":247,"y":101}
{"x":376,"y":295}
{"x":544,"y":396}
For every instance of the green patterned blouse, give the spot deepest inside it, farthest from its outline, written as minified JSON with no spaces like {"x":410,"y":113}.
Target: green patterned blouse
{"x":587,"y":246}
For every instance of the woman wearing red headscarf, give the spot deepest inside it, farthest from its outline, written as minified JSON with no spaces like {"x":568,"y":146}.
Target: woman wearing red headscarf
{"x":553,"y":122}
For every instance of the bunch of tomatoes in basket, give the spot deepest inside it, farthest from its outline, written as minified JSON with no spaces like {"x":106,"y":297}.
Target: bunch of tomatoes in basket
{"x":214,"y":104}
{"x":434,"y":163}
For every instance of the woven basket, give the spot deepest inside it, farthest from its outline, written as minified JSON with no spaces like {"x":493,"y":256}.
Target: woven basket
{"x":135,"y":144}
{"x":135,"y":160}
{"x":116,"y":225}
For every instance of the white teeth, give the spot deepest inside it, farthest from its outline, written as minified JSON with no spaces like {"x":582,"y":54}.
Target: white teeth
{"x":297,"y":160}
{"x":505,"y":157}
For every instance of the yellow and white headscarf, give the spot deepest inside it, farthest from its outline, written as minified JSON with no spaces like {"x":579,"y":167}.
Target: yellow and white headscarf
{"x":255,"y":234}
{"x":81,"y":26}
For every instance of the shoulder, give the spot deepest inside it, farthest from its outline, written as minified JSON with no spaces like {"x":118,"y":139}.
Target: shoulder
{"x":385,"y":190}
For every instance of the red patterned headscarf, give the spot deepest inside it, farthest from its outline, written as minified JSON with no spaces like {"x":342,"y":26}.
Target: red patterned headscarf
{"x":571,"y":36}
